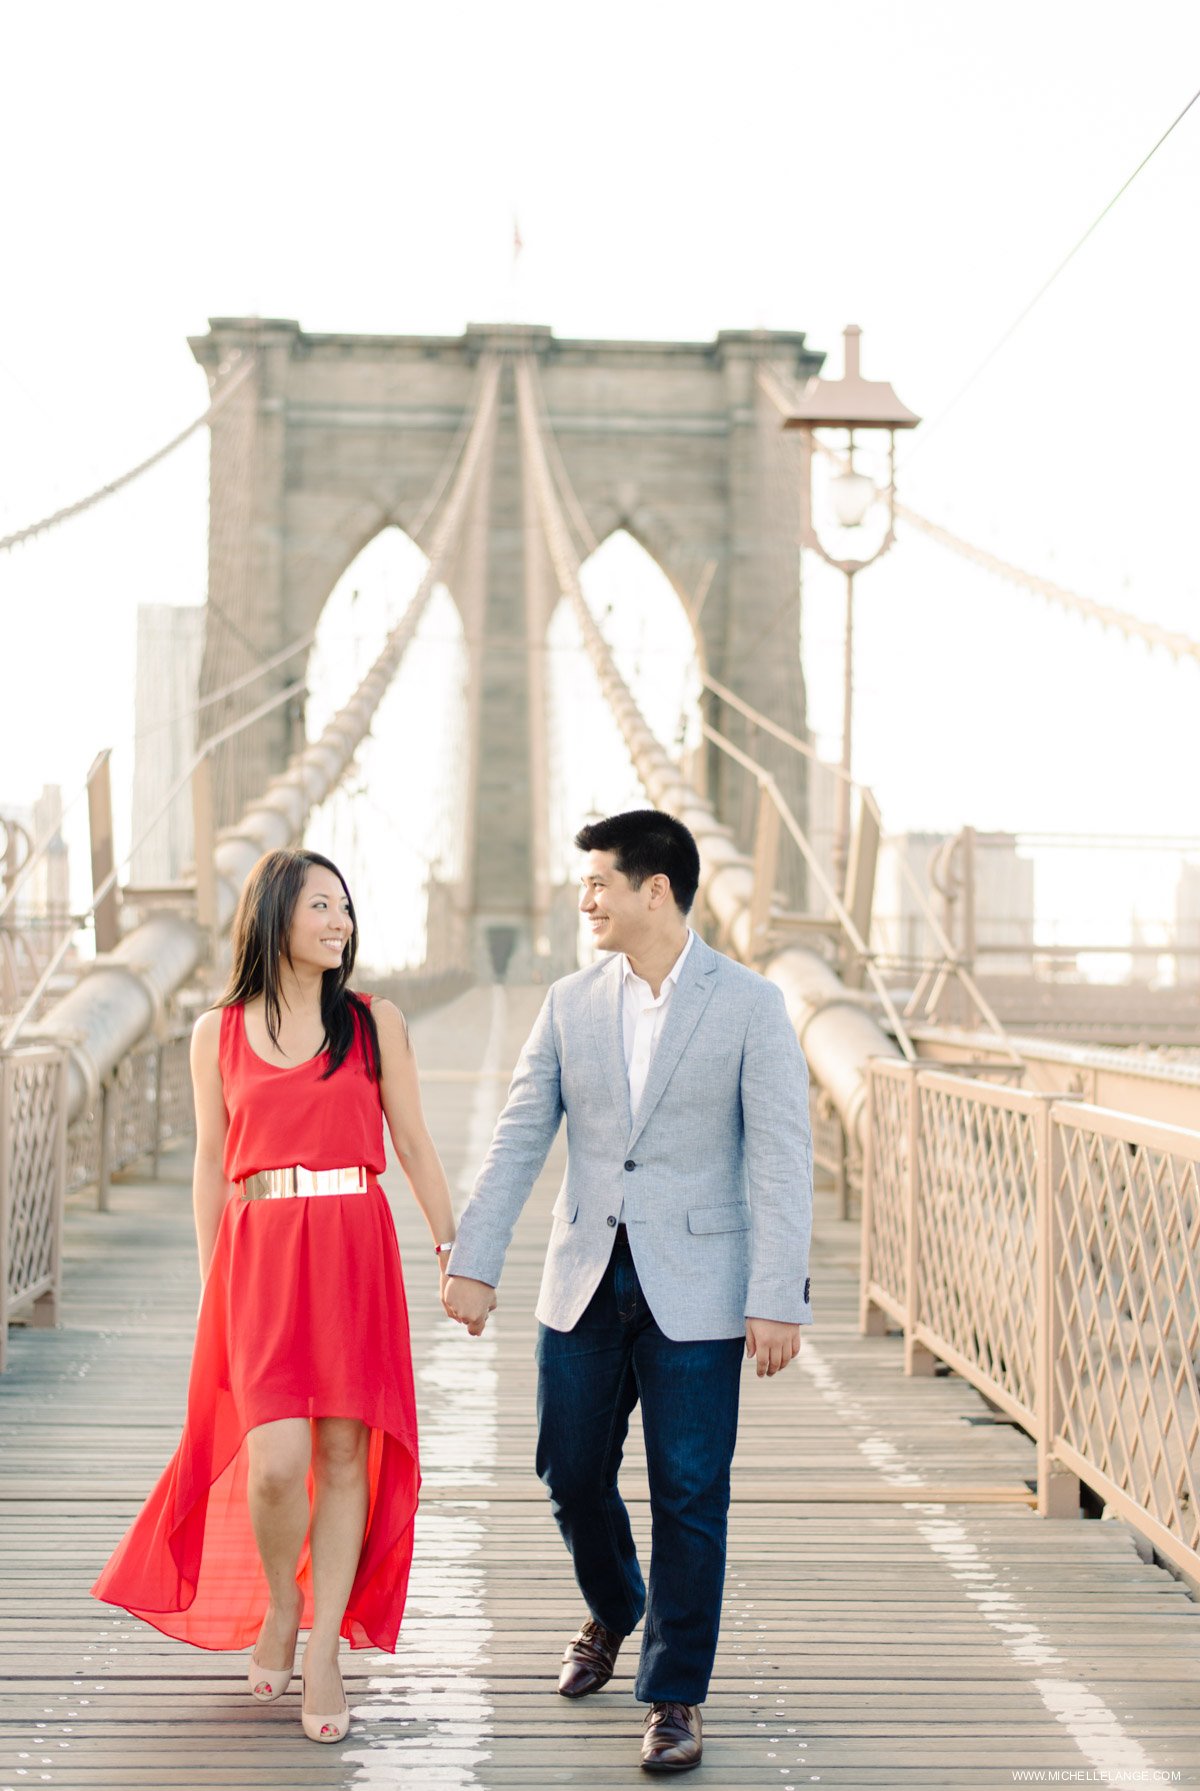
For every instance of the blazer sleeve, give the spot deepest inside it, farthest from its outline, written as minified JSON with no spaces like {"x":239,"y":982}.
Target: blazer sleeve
{"x":520,"y":1145}
{"x":778,"y":1155}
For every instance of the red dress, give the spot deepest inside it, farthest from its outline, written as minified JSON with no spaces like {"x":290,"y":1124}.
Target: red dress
{"x":303,"y":1316}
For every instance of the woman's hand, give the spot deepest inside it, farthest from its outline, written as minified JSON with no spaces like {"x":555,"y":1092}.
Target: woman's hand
{"x":468,"y":1302}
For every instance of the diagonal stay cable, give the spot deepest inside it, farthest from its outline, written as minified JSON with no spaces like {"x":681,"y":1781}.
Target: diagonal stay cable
{"x":1043,"y":289}
{"x":110,"y":881}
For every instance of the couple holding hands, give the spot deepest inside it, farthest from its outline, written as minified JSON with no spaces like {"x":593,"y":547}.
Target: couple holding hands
{"x":678,"y":1244}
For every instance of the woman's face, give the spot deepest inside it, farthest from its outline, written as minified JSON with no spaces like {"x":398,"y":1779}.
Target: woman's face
{"x":321,"y":924}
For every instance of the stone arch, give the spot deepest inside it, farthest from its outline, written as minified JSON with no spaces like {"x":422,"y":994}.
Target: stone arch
{"x":649,"y":533}
{"x":379,"y":614}
{"x":640,"y":563}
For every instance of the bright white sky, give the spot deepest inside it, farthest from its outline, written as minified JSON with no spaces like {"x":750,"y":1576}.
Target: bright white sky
{"x":676,"y":169}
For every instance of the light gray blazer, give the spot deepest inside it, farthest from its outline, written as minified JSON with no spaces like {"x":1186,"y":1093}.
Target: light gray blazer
{"x":715,"y":1169}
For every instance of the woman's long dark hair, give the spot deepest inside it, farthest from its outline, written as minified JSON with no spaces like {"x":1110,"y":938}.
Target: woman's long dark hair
{"x":262,"y":928}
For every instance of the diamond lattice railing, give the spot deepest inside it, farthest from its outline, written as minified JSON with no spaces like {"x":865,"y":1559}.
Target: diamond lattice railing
{"x":177,"y":1114}
{"x":134,"y":1103}
{"x":886,"y":1247}
{"x":977,"y":1212}
{"x":1116,"y":1401}
{"x":31,"y":1102}
{"x":1127,"y":1349}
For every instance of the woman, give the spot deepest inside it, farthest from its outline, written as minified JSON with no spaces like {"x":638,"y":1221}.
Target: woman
{"x":290,"y":1500}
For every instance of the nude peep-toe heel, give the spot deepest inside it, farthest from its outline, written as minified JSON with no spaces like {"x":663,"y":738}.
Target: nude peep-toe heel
{"x":324,"y":1728}
{"x":268,"y":1683}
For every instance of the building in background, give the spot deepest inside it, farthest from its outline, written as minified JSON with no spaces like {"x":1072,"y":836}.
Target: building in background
{"x":1003,"y":902}
{"x":1187,"y":923}
{"x":33,"y":928}
{"x":170,"y":643}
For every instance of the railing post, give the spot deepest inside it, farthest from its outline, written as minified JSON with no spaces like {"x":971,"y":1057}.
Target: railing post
{"x":100,"y":824}
{"x":917,"y":1358}
{"x":872,"y":1320}
{"x":860,"y":887}
{"x":766,"y":871}
{"x":1057,"y":1486}
{"x":106,"y":1144}
{"x":841,"y":1175}
{"x":156,"y":1148}
{"x":203,"y":838}
{"x":47,"y":1307}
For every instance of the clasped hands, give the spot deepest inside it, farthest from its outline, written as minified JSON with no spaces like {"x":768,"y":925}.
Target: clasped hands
{"x":468,"y":1302}
{"x":769,"y":1343}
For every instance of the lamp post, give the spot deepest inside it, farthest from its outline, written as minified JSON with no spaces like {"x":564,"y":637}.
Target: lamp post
{"x":851,"y":403}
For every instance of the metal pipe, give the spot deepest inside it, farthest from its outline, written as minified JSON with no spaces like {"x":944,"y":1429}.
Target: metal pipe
{"x":126,"y":992}
{"x":838,"y":1035}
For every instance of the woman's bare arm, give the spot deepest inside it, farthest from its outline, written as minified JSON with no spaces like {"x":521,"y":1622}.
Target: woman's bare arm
{"x":210,"y":1190}
{"x":400,"y":1091}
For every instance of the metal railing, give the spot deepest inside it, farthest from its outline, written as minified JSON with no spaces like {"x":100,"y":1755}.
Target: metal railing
{"x":1047,"y":1251}
{"x":143,"y":1106}
{"x":32,"y":1175}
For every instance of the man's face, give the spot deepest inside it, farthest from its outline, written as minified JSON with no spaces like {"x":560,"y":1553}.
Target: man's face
{"x":617,"y":913}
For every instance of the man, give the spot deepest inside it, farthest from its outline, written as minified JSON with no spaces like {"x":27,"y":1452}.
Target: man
{"x":680,"y":1234}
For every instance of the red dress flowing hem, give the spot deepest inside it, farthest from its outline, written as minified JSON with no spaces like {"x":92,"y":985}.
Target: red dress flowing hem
{"x":394,"y":1558}
{"x":338,"y":1346}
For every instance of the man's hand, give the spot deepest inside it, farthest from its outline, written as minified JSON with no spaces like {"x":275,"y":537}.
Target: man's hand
{"x":772,"y":1344}
{"x":468,"y":1302}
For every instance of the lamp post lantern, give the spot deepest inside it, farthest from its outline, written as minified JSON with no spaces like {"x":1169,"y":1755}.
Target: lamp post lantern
{"x":853,"y":404}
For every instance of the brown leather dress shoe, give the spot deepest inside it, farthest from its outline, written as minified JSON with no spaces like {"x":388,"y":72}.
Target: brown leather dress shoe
{"x":672,"y":1741}
{"x":588,"y":1661}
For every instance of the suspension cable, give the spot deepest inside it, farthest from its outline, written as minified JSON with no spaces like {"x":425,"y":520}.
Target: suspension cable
{"x":242,"y":367}
{"x":782,"y":391}
{"x":1043,"y":289}
{"x":1179,"y":646}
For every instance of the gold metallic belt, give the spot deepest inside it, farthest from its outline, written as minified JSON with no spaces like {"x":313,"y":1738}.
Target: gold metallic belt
{"x":288,"y":1184}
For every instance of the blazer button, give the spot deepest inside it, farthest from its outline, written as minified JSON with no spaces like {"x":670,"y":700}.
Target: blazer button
{"x":631,"y":1164}
{"x":612,"y":1218}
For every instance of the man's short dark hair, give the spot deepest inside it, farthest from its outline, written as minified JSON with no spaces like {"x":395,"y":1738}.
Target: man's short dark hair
{"x":645,"y":843}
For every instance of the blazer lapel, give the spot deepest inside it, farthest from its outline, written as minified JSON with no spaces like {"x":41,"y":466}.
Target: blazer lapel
{"x":688,"y":1001}
{"x":606,"y":1022}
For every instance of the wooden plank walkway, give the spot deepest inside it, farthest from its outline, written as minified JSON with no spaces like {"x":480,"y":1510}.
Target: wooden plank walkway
{"x":895,"y":1615}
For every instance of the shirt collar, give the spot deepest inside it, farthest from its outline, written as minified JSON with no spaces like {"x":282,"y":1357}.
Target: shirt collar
{"x":672,"y":976}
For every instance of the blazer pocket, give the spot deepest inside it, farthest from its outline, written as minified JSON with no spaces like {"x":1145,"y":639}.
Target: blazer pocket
{"x":566,"y":1210}
{"x":735,"y":1217}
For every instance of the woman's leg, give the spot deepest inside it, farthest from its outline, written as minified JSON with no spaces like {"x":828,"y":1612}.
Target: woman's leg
{"x":278,"y":1499}
{"x":338,"y":1522}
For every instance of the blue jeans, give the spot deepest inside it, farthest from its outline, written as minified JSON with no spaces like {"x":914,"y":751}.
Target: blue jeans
{"x":589,"y":1381}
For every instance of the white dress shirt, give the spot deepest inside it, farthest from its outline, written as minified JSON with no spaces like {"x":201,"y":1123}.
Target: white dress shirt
{"x":643,"y":1018}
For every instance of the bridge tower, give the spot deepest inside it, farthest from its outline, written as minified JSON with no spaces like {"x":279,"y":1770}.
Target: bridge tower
{"x":333,"y":438}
